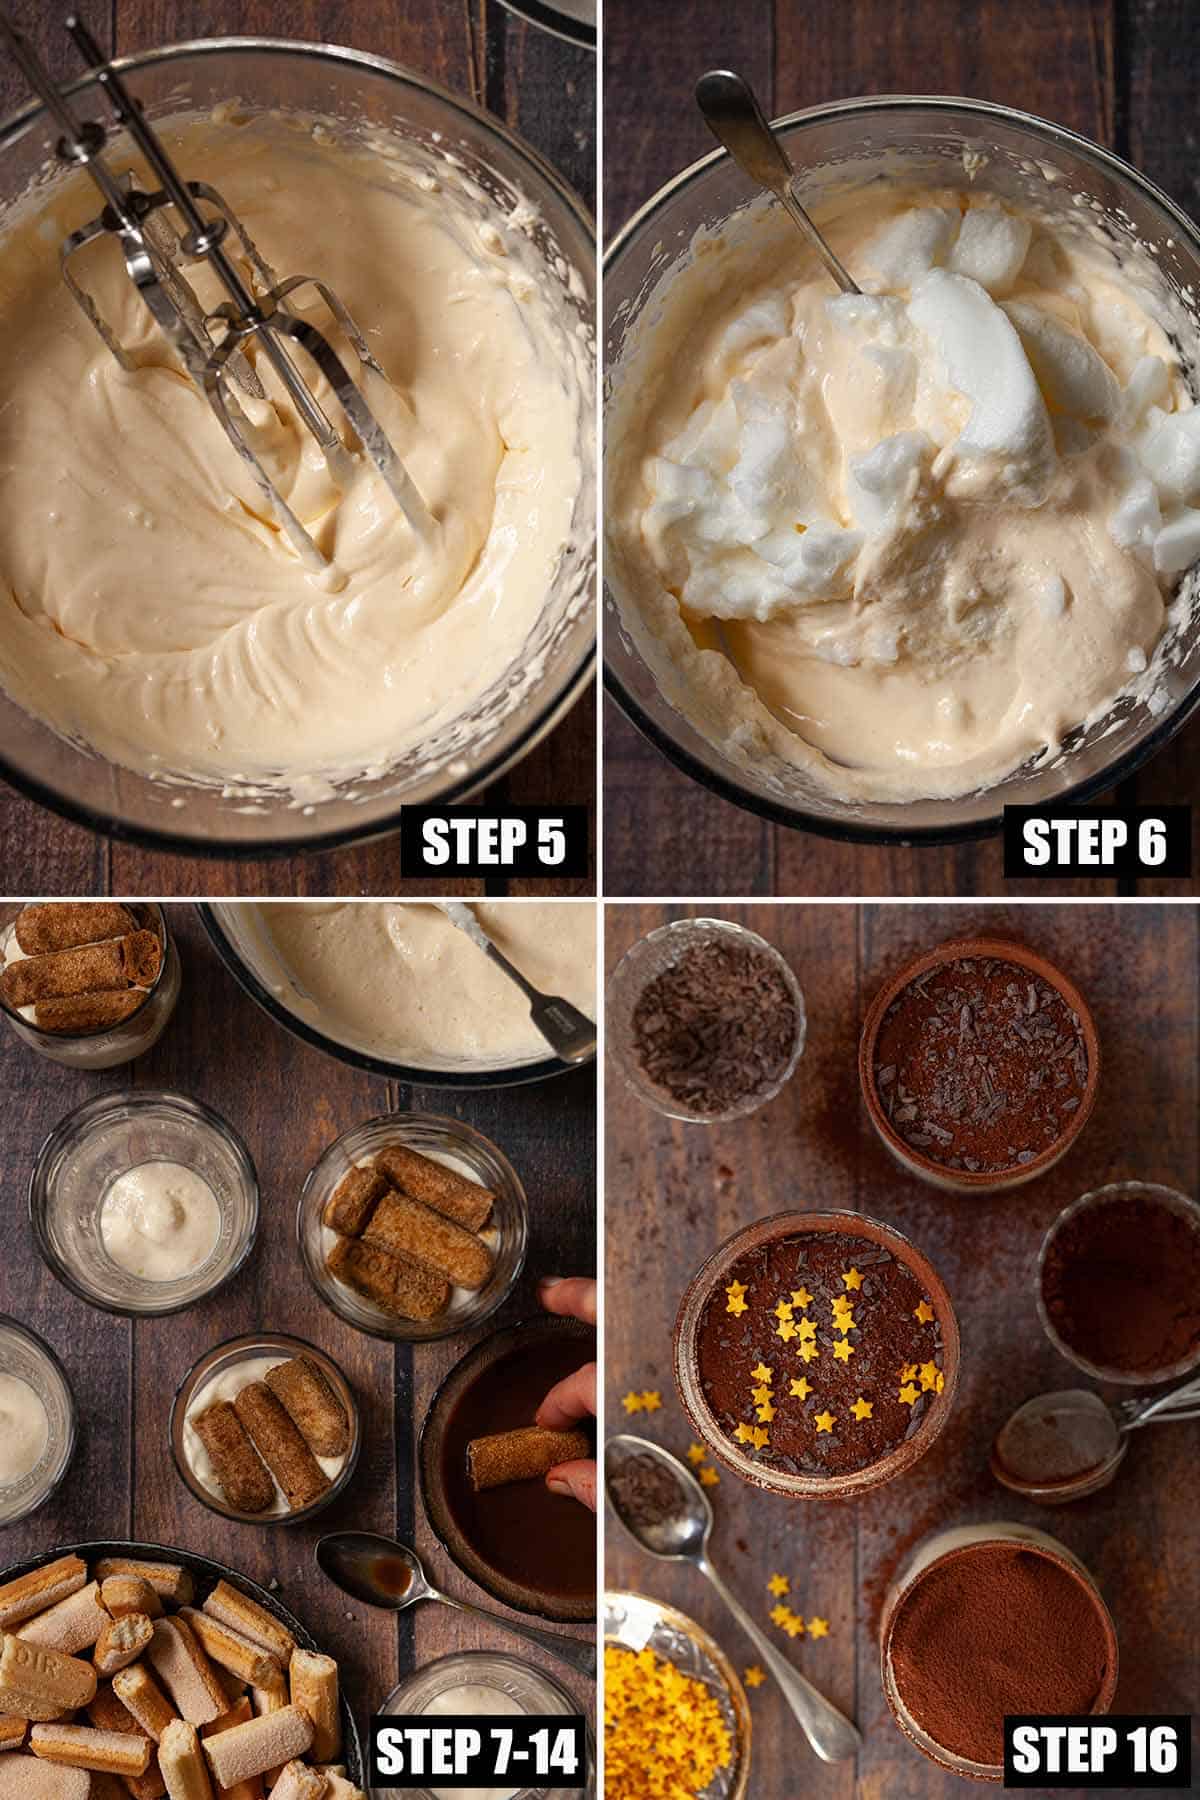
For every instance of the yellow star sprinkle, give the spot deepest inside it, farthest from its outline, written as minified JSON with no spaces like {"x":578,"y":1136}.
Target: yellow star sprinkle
{"x":923,"y":1314}
{"x":779,"y":1585}
{"x":696,"y":1453}
{"x":794,"y":1626}
{"x":785,"y":1330}
{"x":929,"y":1375}
{"x":744,"y":1434}
{"x":801,"y":1297}
{"x":779,"y":1615}
{"x":632,"y":1403}
{"x":843,"y":1349}
{"x":761,"y":1395}
{"x":941,"y":1381}
{"x":908,"y":1372}
{"x":825,"y":1421}
{"x":909,"y":1394}
{"x":760,"y":1437}
{"x":651,"y":1400}
{"x":862,"y":1409}
{"x":852,"y":1279}
{"x":709,"y":1476}
{"x":801,"y":1387}
{"x":765,"y":1413}
{"x":783,"y":1310}
{"x":737,"y":1290}
{"x":735,"y":1305}
{"x":818,"y":1628}
{"x":762,"y":1373}
{"x":807,"y":1329}
{"x":755,"y":1676}
{"x":809,"y":1352}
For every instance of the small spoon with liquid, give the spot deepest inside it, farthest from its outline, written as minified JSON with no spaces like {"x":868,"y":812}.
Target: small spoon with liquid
{"x":379,"y":1571}
{"x":1063,"y":1446}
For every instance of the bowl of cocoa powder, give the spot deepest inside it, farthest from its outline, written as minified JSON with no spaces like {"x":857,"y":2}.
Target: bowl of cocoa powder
{"x":1119,"y":1283}
{"x":706,"y":1020}
{"x":989,"y":1620}
{"x":979,"y":1064}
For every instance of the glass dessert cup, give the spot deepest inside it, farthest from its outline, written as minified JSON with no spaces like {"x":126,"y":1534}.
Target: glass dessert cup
{"x":714,"y":1275}
{"x":27,"y":1357}
{"x":108,"y":1045}
{"x":429,"y":1136}
{"x":649,"y":957}
{"x":438,"y":1444}
{"x":245,"y":949}
{"x":530,"y":1688}
{"x":1180,"y":1204}
{"x":911,"y":1158}
{"x":221,"y":1360}
{"x":517,"y":710}
{"x":922,"y":141}
{"x":104,"y":1139}
{"x":936,"y":1550}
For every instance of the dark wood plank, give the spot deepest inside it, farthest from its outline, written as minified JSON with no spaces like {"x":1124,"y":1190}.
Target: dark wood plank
{"x":674,"y":1192}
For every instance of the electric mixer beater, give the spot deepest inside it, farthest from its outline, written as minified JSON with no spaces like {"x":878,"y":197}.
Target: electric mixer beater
{"x":211,"y":343}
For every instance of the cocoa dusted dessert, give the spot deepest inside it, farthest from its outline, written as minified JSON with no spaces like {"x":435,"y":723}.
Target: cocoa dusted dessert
{"x":980,"y":1065}
{"x":820,"y":1353}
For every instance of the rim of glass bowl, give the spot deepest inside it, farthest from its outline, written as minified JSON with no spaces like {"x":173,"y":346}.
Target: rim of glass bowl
{"x":410,"y":1074}
{"x":139,"y":1099}
{"x":554,"y":19}
{"x":71,"y":1438}
{"x":557,"y":705}
{"x":845,"y":830}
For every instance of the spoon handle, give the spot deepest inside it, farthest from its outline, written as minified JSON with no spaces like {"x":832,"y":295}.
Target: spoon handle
{"x":1177,"y":1403}
{"x":578,"y":1653}
{"x":829,"y":1732}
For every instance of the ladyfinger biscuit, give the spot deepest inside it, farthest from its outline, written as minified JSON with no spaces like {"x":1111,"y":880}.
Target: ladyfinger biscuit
{"x":62,"y":924}
{"x":131,"y":961}
{"x":264,"y":1743}
{"x":239,"y":1714}
{"x":185,"y":1671}
{"x":319,"y":1416}
{"x":107,"y":1713}
{"x":393,"y":1283}
{"x":408,"y":1227}
{"x":249,"y":1661}
{"x":298,"y":1782}
{"x":182,"y":1763}
{"x":466,"y":1202}
{"x":29,"y":1778}
{"x":45,"y":1675}
{"x":232,"y":1607}
{"x":272,"y":1698}
{"x":87,"y":1012}
{"x":169,"y":1580}
{"x":349,"y":1206}
{"x":339,"y":1788}
{"x":29,"y":1707}
{"x":245,"y":1483}
{"x":122,"y":1642}
{"x":280,"y":1445}
{"x":122,"y":1594}
{"x":12,"y":1731}
{"x":73,"y":1625}
{"x":521,"y":1455}
{"x":313,"y":1681}
{"x":30,"y":1594}
{"x":141,"y":1696}
{"x":83,"y":1747}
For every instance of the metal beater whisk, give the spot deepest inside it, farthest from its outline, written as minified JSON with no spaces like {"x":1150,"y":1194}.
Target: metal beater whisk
{"x":156,"y":251}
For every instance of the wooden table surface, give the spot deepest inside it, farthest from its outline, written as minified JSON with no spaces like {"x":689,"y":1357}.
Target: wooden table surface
{"x":1122,"y":72}
{"x":545,"y":89}
{"x":676,"y":1191}
{"x":288,"y":1101}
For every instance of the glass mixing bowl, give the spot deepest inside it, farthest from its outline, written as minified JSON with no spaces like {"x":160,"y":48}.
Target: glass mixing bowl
{"x":515,"y":712}
{"x":932,"y":142}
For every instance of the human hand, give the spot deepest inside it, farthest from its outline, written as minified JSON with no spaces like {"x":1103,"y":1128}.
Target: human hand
{"x":574,"y":1397}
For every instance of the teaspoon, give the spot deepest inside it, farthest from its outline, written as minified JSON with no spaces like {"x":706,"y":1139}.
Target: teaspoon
{"x":1063,"y":1446}
{"x":570,"y":1033}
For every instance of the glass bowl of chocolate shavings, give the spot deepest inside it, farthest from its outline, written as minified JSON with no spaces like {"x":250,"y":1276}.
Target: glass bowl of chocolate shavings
{"x":705,"y":1020}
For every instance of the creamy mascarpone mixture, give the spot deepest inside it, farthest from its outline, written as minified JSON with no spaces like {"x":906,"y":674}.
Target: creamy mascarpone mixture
{"x":160,"y":1221}
{"x":149,"y":605}
{"x":24,"y":1429}
{"x":910,"y":539}
{"x":226,"y":1384}
{"x":398,"y":980}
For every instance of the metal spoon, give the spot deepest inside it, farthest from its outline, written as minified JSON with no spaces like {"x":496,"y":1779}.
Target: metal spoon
{"x":570,"y":1034}
{"x":682,"y":1536}
{"x":1063,"y":1446}
{"x":381,"y":1572}
{"x":736,"y":120}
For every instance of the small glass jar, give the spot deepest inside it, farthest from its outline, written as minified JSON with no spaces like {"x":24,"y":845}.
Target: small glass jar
{"x":658,"y":951}
{"x":217,"y":1375}
{"x":1155,"y":1194}
{"x":107,"y":1138}
{"x":25,"y":1357}
{"x":530,"y":1689}
{"x":955,"y":1542}
{"x":457,"y":1146}
{"x":108,"y":1045}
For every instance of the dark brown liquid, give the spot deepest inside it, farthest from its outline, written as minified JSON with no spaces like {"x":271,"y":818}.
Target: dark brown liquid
{"x":392,"y":1575}
{"x":545,"y":1541}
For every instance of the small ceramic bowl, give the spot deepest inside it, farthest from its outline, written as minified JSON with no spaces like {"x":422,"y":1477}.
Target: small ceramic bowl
{"x":24,"y":1357}
{"x":217,"y":1376}
{"x":106,"y":1138}
{"x":460,"y":1147}
{"x":914,"y":1159}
